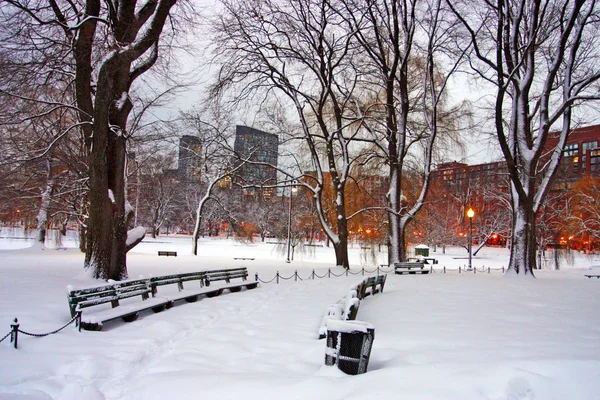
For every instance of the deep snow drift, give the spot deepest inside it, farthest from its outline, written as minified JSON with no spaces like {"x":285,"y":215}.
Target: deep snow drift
{"x":437,"y":336}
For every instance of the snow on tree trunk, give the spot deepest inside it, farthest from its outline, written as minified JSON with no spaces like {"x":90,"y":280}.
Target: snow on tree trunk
{"x":135,"y":236}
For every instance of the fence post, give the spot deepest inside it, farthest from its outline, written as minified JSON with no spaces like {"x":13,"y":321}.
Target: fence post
{"x":256,"y":277}
{"x":347,"y":270}
{"x":459,"y":269}
{"x":503,"y":269}
{"x":488,"y":270}
{"x":363,"y":271}
{"x":313,"y":275}
{"x":14,"y":335}
{"x":78,"y":320}
{"x":475,"y":270}
{"x":444,"y":269}
{"x":378,"y":270}
{"x":296,"y":276}
{"x":277,"y":276}
{"x":329,"y":273}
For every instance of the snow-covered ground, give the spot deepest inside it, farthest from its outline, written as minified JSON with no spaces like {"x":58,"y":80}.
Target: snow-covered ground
{"x":437,"y":336}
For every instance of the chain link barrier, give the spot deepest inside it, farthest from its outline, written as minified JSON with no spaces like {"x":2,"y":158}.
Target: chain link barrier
{"x":328,"y":274}
{"x":49,"y":333}
{"x":7,"y":335}
{"x":378,"y":270}
{"x":14,"y":333}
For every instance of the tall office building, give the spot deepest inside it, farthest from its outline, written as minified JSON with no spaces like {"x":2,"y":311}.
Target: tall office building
{"x":260,"y":147}
{"x":188,"y":167}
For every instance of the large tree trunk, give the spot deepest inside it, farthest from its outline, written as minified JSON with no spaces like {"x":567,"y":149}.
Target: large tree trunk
{"x":523,"y":237}
{"x":118,"y":263}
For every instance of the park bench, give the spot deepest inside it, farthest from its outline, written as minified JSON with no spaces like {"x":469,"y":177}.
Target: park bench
{"x":129,"y":310}
{"x":244,"y":258}
{"x":371,"y":285}
{"x":410,"y":268}
{"x":167,"y":253}
{"x":592,"y":276}
{"x":113,"y":294}
{"x":347,"y":308}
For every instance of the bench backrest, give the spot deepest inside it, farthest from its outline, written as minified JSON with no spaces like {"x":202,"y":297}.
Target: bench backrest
{"x":88,"y":297}
{"x":83,"y":298}
{"x":225,"y":275}
{"x":157,"y":281}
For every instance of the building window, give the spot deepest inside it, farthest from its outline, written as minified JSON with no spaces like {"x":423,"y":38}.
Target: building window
{"x":595,"y":160}
{"x":570,"y":150}
{"x":588,"y":146}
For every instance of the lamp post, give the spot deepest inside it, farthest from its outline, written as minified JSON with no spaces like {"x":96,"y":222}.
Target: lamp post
{"x":289,"y":238}
{"x":470,"y":214}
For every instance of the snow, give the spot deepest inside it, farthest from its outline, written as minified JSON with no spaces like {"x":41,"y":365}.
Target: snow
{"x":135,"y":234}
{"x":437,"y":336}
{"x":348,"y":326}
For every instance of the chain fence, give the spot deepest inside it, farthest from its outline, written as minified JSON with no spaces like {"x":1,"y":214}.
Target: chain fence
{"x":314,"y":275}
{"x":379,"y":270}
{"x":14,"y":330}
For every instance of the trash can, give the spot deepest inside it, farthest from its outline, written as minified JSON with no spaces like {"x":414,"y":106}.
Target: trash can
{"x":349,"y":345}
{"x":422,"y":250}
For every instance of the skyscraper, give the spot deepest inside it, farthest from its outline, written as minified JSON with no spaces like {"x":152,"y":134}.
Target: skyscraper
{"x":256,"y":146}
{"x":188,"y":167}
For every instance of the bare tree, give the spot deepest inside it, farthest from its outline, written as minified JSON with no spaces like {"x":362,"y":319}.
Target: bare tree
{"x":541,"y":57}
{"x":105,"y":46}
{"x":301,"y":50}
{"x":412,"y":52}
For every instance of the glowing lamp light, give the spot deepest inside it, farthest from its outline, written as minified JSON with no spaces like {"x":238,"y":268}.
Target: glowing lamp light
{"x":470,"y":213}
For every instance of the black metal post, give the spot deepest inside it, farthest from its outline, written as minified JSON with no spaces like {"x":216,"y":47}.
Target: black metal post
{"x":14,"y":336}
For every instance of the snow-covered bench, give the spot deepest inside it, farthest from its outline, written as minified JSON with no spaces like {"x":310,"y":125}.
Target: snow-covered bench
{"x":371,"y":285}
{"x":113,"y":293}
{"x":592,"y":276}
{"x":347,"y":308}
{"x":167,"y":253}
{"x":410,"y":268}
{"x":129,"y":309}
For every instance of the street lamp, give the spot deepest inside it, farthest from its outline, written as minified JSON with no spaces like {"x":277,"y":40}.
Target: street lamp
{"x":470,"y":214}
{"x":289,"y":238}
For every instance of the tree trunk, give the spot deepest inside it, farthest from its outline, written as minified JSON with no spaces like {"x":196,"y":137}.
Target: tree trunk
{"x":82,"y":238}
{"x":42,"y":216}
{"x":117,"y":154}
{"x":523,"y":248}
{"x":341,"y":254}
